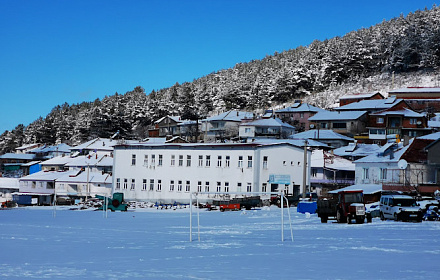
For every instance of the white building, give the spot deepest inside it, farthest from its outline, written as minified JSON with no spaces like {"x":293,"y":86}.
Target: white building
{"x":169,"y":172}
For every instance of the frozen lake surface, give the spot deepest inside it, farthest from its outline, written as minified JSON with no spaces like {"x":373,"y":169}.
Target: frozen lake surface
{"x":154,"y":244}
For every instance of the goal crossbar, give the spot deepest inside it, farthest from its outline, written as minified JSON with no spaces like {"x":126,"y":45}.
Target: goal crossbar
{"x":196,"y":195}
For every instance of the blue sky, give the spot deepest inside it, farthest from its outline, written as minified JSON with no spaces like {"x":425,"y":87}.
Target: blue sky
{"x":53,"y":52}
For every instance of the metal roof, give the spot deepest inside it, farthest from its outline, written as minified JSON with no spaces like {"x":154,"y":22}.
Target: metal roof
{"x":304,"y":107}
{"x":340,"y":115}
{"x":323,"y":134}
{"x":373,"y":104}
{"x":268,"y":122}
{"x":232,"y":116}
{"x":357,"y":96}
{"x":416,"y":90}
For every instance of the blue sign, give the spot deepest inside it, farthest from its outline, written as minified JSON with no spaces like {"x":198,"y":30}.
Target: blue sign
{"x":279,"y":179}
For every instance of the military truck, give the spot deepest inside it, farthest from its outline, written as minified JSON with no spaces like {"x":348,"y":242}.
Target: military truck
{"x":345,"y":207}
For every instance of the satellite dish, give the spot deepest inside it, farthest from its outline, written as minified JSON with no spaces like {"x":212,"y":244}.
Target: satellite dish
{"x":312,"y":125}
{"x":419,"y":122}
{"x":402,"y":164}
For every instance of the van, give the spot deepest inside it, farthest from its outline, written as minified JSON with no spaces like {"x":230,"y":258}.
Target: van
{"x":400,"y":208}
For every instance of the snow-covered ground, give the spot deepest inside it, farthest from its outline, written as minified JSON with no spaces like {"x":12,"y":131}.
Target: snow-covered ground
{"x":154,"y":244}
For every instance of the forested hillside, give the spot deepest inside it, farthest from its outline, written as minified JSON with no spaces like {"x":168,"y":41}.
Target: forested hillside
{"x":360,"y":61}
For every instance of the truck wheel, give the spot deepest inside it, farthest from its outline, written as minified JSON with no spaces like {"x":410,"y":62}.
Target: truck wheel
{"x":360,"y":220}
{"x":339,"y":217}
{"x":369,"y":218}
{"x":324,"y":219}
{"x":348,"y":219}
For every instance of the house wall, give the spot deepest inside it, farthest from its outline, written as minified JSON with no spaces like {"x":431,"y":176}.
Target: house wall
{"x":300,"y":120}
{"x":36,"y":186}
{"x":393,"y":173}
{"x":281,"y":160}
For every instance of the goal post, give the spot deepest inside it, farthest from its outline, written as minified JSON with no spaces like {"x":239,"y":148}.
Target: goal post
{"x":196,"y":196}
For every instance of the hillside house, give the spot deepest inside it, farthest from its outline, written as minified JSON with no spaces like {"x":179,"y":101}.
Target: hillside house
{"x":224,"y":126}
{"x":266,"y":128}
{"x":327,"y":136}
{"x":298,"y":115}
{"x":349,"y":123}
{"x":350,"y":98}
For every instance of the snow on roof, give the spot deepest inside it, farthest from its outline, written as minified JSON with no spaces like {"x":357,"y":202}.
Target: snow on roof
{"x":268,"y":122}
{"x":435,"y":121}
{"x":296,"y":107}
{"x":416,"y":90}
{"x":395,"y":152}
{"x":357,"y":150}
{"x":27,"y":146}
{"x":18,"y":156}
{"x":9,"y":183}
{"x":405,"y":112}
{"x":295,"y":142}
{"x":366,"y":188}
{"x":96,"y":144}
{"x":47,"y":175}
{"x":174,"y":118}
{"x":323,"y":159}
{"x":90,"y":160}
{"x":64,"y":148}
{"x":323,"y":134}
{"x":337,"y":115}
{"x":93,"y":177}
{"x":59,"y":160}
{"x":375,"y":104}
{"x":432,"y":136}
{"x":232,"y":116}
{"x":357,"y":96}
{"x":31,"y":163}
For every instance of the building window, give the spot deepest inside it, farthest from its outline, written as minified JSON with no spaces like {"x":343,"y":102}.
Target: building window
{"x":240,"y":161}
{"x":226,"y":186}
{"x":173,"y":160}
{"x":200,"y":160}
{"x":159,"y":185}
{"x":383,"y":174}
{"x":314,"y":172}
{"x":247,"y":130}
{"x":160,"y":160}
{"x":301,"y":115}
{"x":412,"y":121}
{"x":125,"y":184}
{"x":379,"y":120}
{"x":171,"y":185}
{"x":284,"y":162}
{"x":179,"y":186}
{"x":264,"y":187}
{"x":219,"y":161}
{"x":151,"y":184}
{"x":145,"y":160}
{"x":249,"y":162}
{"x":365,"y":174}
{"x":249,"y":187}
{"x":206,"y":186}
{"x":265,"y":162}
{"x":180,"y":160}
{"x":118,"y":183}
{"x":208,"y":161}
{"x":199,"y":186}
{"x":219,"y":186}
{"x":188,"y":186}
{"x":153,"y":160}
{"x":228,"y":161}
{"x":412,"y":133}
{"x":133,"y":159}
{"x":238,"y":187}
{"x":339,"y":125}
{"x":144,"y":184}
{"x":133,"y":184}
{"x":188,"y":160}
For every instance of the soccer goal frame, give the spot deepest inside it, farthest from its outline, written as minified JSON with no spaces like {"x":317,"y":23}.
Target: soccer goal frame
{"x":196,"y":196}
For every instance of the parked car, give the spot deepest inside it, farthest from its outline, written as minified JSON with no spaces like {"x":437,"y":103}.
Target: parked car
{"x":400,"y":208}
{"x":373,"y":209}
{"x":64,"y":200}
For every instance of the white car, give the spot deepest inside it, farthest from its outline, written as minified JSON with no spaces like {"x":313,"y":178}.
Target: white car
{"x":400,"y":208}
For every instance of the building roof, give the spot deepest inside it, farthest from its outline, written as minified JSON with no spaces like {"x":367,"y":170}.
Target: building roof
{"x":232,"y":116}
{"x":403,"y":112}
{"x":322,"y":159}
{"x":61,"y":148}
{"x":339,"y":115}
{"x":373,"y":104}
{"x":83,"y":177}
{"x":435,"y":121}
{"x":271,"y":122}
{"x":174,"y":118}
{"x":31,"y":163}
{"x":18,"y":156}
{"x":389,"y":153}
{"x":47,"y":175}
{"x":59,"y":160}
{"x":357,"y":150}
{"x":358,"y":96}
{"x":317,"y":134}
{"x":296,"y":142}
{"x":94,"y":159}
{"x":10,"y":183}
{"x":416,"y":90}
{"x":432,"y":136}
{"x":366,"y":188}
{"x":300,"y":107}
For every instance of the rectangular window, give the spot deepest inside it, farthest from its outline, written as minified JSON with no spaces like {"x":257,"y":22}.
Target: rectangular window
{"x":206,"y":186}
{"x":133,"y":184}
{"x":219,"y":186}
{"x":160,"y":160}
{"x":200,"y":160}
{"x":153,"y":160}
{"x":208,"y":161}
{"x":383,"y":174}
{"x":249,"y":162}
{"x":188,"y":186}
{"x":151,"y":184}
{"x":144,"y":184}
{"x":228,"y":161}
{"x":145,"y":160}
{"x":301,"y":115}
{"x":247,"y":130}
{"x":240,"y":161}
{"x":340,"y":125}
{"x":238,"y":187}
{"x":264,"y":187}
{"x":249,"y":187}
{"x":180,"y":160}
{"x":379,"y":120}
{"x":125,"y":184}
{"x":188,"y":160}
{"x":133,"y":159}
{"x":118,"y":183}
{"x":199,"y":186}
{"x":365,"y":174}
{"x":265,"y":162}
{"x":171,"y":185}
{"x":179,"y":186}
{"x":226,"y":186}
{"x":412,"y":121}
{"x":159,"y":185}
{"x":219,"y":161}
{"x":173,"y":160}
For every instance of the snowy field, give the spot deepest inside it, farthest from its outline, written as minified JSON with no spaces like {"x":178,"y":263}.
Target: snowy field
{"x":154,"y":244}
